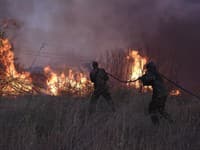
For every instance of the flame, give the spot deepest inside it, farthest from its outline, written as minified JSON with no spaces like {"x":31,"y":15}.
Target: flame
{"x":73,"y":83}
{"x":12,"y":82}
{"x":175,"y":93}
{"x":137,"y":67}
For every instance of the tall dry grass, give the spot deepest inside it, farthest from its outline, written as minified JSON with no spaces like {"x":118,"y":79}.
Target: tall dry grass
{"x":62,"y":123}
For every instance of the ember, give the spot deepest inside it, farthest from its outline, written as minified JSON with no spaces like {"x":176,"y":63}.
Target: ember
{"x":175,"y":93}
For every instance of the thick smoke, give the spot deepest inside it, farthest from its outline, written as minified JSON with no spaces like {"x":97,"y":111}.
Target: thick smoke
{"x":81,"y":29}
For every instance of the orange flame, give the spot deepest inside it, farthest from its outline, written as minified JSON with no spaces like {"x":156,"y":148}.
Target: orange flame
{"x":72,"y":83}
{"x":137,"y":67}
{"x":15,"y":81}
{"x":175,"y":93}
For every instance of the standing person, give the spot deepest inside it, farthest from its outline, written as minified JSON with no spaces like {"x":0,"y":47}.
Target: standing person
{"x":99,"y":77}
{"x":160,"y":93}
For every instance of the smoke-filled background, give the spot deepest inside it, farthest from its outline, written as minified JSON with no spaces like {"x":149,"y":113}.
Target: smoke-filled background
{"x":79,"y":30}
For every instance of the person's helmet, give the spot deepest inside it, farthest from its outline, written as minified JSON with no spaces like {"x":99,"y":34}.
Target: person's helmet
{"x":151,"y":66}
{"x":95,"y":64}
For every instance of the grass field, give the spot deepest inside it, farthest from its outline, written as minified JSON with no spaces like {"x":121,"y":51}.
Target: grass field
{"x":62,"y":123}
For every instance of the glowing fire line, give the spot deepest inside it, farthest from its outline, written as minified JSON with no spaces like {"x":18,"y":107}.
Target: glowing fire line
{"x":74,"y":83}
{"x":71,"y":83}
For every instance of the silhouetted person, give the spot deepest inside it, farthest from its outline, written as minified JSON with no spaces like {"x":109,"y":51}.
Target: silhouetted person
{"x":99,"y":77}
{"x":160,"y":93}
{"x":2,"y":34}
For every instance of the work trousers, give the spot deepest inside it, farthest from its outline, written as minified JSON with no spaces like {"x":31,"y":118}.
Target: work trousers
{"x":157,"y":107}
{"x":95,"y":96}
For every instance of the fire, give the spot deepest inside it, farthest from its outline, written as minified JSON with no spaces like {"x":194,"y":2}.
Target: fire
{"x":12,"y":82}
{"x":137,"y":67}
{"x":73,"y":83}
{"x":175,"y":93}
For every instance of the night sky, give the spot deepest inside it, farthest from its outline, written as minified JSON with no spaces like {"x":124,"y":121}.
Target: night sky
{"x":86,"y":28}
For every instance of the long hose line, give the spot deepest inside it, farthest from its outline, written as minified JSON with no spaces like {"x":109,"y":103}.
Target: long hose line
{"x":180,"y":87}
{"x":174,"y":83}
{"x":122,"y":81}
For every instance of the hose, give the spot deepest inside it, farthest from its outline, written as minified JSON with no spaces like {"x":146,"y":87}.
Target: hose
{"x":122,"y":81}
{"x":174,"y":83}
{"x":180,"y":87}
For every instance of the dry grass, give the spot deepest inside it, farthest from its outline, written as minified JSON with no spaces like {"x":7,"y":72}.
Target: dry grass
{"x":62,"y":123}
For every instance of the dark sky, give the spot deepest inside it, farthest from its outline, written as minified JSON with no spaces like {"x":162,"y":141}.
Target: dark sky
{"x":85,"y":28}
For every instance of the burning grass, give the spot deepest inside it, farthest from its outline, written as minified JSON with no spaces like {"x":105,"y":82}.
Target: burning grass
{"x":46,"y":122}
{"x":72,"y":82}
{"x":12,"y":81}
{"x":127,"y":65}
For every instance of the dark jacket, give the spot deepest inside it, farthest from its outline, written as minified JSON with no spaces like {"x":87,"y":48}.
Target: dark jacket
{"x":152,"y":78}
{"x":99,"y":77}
